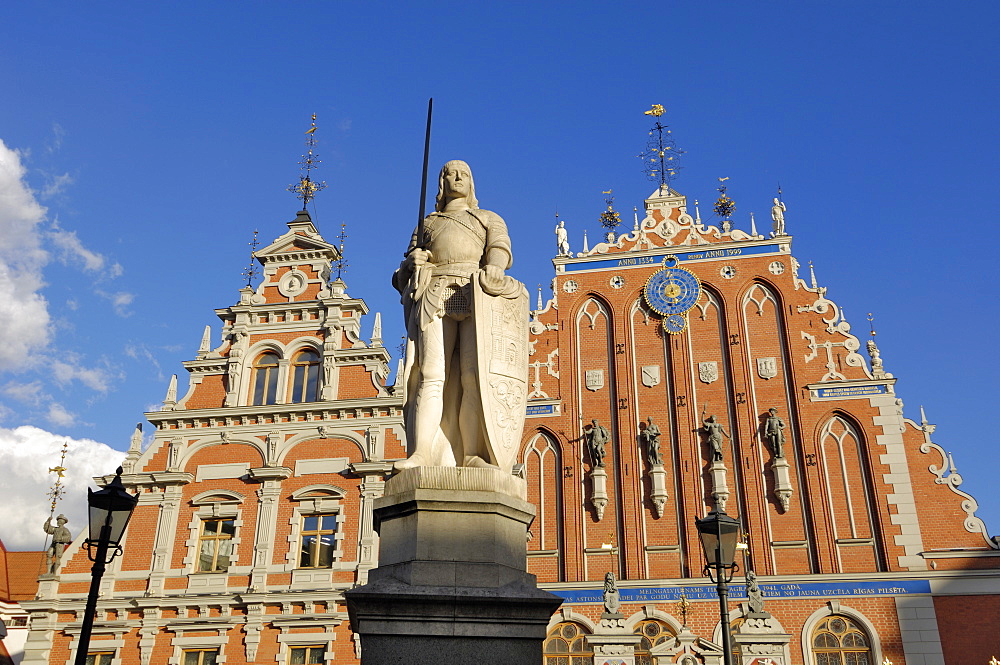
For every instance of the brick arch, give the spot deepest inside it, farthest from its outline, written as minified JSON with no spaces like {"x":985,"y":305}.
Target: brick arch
{"x":194,"y":448}
{"x":542,"y":457}
{"x":846,"y":478}
{"x":308,"y":437}
{"x":604,"y":307}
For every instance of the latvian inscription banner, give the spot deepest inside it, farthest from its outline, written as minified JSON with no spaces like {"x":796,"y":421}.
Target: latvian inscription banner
{"x":797,"y":590}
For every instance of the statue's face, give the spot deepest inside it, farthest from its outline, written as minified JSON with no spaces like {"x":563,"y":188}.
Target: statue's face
{"x":457,"y":182}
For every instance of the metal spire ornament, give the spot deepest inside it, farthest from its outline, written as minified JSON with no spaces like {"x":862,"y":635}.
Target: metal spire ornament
{"x":342,"y":264}
{"x":58,"y":489}
{"x":610,"y":219}
{"x":307,"y":188}
{"x":724,"y":206}
{"x":660,"y":160}
{"x":251,"y":271}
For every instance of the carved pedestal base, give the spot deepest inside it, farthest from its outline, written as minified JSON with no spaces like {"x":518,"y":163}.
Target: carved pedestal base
{"x":599,"y":490}
{"x":761,"y":637}
{"x":782,"y":482}
{"x":720,"y":490}
{"x":658,"y":475}
{"x":451,"y":586}
{"x":612,"y":642}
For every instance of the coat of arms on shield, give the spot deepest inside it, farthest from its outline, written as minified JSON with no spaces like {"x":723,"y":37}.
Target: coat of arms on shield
{"x":595,"y":379}
{"x":651,"y":375}
{"x":767,"y":368}
{"x":708,"y":371}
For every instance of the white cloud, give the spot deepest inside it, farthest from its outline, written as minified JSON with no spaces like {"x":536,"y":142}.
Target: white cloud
{"x":59,"y":416}
{"x":24,"y":392}
{"x":58,"y":134}
{"x":56,"y":184}
{"x":74,"y":251}
{"x":95,"y":378}
{"x":140,"y":352}
{"x":26,"y":454}
{"x":120,"y":300}
{"x":24,"y":315}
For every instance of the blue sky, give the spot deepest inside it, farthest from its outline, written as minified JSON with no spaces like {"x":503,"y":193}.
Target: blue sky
{"x":154,"y":138}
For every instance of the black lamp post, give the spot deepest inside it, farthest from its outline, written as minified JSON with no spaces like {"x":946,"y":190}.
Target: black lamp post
{"x":110,"y":510}
{"x":719,"y":535}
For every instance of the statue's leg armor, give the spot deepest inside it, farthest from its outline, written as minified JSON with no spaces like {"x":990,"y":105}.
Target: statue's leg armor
{"x":470,"y":412}
{"x":430,"y":395}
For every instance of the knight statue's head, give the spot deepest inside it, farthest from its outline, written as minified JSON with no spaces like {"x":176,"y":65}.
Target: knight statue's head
{"x":468,"y":189}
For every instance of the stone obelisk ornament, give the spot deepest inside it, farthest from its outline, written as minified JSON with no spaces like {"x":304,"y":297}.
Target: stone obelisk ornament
{"x":466,"y":371}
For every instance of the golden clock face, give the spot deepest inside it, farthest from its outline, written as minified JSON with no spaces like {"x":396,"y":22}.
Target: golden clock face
{"x":671,"y":290}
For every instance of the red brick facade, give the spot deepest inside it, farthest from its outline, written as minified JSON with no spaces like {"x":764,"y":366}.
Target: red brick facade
{"x":853,"y":527}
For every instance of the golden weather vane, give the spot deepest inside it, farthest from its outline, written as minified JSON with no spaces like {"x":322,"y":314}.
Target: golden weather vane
{"x":307,"y":188}
{"x":251,"y":270}
{"x":661,"y":157}
{"x":684,"y":605}
{"x":58,"y":489}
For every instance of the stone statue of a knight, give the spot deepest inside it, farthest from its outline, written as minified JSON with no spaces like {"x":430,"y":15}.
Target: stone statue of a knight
{"x":466,"y":358}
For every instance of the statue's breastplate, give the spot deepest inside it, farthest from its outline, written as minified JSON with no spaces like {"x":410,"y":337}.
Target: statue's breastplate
{"x":456,"y":241}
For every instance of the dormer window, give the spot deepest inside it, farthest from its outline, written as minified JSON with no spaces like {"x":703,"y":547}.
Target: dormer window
{"x":305,"y":376}
{"x":265,"y":381}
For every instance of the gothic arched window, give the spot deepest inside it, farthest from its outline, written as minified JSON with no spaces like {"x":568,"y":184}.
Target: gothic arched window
{"x":566,"y":645}
{"x":265,"y":379}
{"x":653,"y":632}
{"x":838,"y":640}
{"x":305,"y":377}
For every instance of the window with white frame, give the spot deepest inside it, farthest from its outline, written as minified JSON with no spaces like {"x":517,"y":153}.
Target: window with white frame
{"x":313,"y":654}
{"x":215,"y":544}
{"x":305,"y":376}
{"x":200,"y":657}
{"x":318,"y":540}
{"x":100,"y":657}
{"x":838,"y":640}
{"x":265,"y":379}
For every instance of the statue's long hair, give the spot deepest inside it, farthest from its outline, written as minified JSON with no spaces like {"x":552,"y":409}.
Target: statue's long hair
{"x":439,"y":201}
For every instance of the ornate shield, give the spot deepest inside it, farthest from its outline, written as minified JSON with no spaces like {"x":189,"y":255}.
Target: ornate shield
{"x":708,"y":372}
{"x":502,"y":364}
{"x":651,"y":375}
{"x":594,"y":379}
{"x":767,"y":368}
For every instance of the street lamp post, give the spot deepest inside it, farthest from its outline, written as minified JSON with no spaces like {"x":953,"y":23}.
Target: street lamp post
{"x":719,"y":534}
{"x":110,"y":510}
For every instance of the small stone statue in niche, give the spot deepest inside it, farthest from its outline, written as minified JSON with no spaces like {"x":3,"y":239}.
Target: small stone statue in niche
{"x":650,"y":437}
{"x":774,"y":432}
{"x":597,"y":438}
{"x":61,"y":538}
{"x":612,"y":601}
{"x":715,"y":432}
{"x":562,"y":239}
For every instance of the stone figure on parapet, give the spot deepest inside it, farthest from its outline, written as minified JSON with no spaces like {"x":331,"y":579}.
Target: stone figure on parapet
{"x":597,"y":438}
{"x":61,"y":537}
{"x":774,"y":432}
{"x":715,"y":433}
{"x":754,"y":596}
{"x":612,"y":600}
{"x":650,"y":437}
{"x":466,"y":353}
{"x":562,"y":239}
{"x":778,"y":217}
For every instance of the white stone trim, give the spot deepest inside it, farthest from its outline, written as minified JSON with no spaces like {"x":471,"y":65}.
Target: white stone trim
{"x":918,"y":629}
{"x":304,"y":507}
{"x":288,"y":640}
{"x":212,"y":511}
{"x":203,"y":642}
{"x":901,"y":496}
{"x":835,"y":607}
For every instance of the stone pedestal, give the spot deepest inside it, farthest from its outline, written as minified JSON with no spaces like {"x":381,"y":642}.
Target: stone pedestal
{"x":451,"y":585}
{"x":612,"y":642}
{"x":658,"y":476}
{"x":599,"y":490}
{"x":720,"y":489}
{"x":782,"y":482}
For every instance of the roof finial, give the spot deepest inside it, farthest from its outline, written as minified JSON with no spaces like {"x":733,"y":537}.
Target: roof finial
{"x":57,"y":490}
{"x":251,"y":270}
{"x":661,"y":157}
{"x":635,"y":216}
{"x":610,"y":219}
{"x":697,"y":213}
{"x":877,"y":366}
{"x":342,"y":264}
{"x":753,"y":226}
{"x":539,"y":307}
{"x":812,"y":275}
{"x":724,"y":206}
{"x":307,"y":188}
